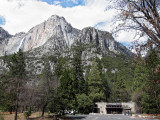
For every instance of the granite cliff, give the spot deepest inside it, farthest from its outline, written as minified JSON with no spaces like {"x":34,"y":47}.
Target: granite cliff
{"x":57,"y":36}
{"x":56,"y":33}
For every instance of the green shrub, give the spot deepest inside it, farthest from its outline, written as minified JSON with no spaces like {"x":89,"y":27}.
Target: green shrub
{"x":27,"y":114}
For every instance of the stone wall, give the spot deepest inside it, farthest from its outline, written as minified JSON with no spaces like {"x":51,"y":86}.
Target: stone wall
{"x":102,"y":107}
{"x":129,"y":105}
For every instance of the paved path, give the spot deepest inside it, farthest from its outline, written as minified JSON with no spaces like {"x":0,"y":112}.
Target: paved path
{"x":105,"y":117}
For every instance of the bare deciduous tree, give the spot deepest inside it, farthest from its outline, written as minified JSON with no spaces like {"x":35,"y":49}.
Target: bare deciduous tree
{"x":143,"y":16}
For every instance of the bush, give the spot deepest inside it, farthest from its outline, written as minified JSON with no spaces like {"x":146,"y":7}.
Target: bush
{"x":85,"y":104}
{"x":27,"y":114}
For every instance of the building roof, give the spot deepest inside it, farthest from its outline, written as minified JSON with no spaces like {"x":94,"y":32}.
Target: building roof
{"x":114,"y":104}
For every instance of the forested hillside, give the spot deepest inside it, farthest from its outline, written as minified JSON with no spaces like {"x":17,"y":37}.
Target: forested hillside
{"x":72,"y":83}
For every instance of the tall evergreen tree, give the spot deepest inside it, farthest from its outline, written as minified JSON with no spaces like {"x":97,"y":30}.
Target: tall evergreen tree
{"x":17,"y":74}
{"x":151,"y":100}
{"x":106,"y":86}
{"x":85,"y":104}
{"x":7,"y":93}
{"x":77,"y":70}
{"x":140,"y":75}
{"x":59,"y":67}
{"x":66,"y":92}
{"x":46,"y":87}
{"x":121,"y":86}
{"x":96,"y":90}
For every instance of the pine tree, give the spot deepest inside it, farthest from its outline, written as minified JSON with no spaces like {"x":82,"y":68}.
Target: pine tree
{"x":84,"y":103}
{"x":151,"y":99}
{"x":96,"y":90}
{"x":46,"y":89}
{"x":77,"y":70}
{"x":139,"y":75}
{"x":106,"y":86}
{"x":66,"y":92}
{"x":7,"y":94}
{"x":120,"y":86}
{"x":122,"y":89}
{"x":60,"y":66}
{"x":1,"y":91}
{"x":17,"y":74}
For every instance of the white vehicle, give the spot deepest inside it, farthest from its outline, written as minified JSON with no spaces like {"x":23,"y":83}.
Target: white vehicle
{"x":73,"y":112}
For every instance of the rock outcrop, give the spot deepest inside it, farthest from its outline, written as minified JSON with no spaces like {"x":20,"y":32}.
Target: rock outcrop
{"x":3,"y":34}
{"x":56,"y":34}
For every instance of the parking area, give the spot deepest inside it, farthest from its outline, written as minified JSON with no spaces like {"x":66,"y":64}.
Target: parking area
{"x":105,"y":117}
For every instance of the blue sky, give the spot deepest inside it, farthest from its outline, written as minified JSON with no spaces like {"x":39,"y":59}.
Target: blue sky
{"x":100,"y":24}
{"x":2,"y":20}
{"x":66,"y":3}
{"x":127,"y":44}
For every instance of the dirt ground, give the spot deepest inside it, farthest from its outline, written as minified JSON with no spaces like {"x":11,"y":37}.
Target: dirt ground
{"x":34,"y":116}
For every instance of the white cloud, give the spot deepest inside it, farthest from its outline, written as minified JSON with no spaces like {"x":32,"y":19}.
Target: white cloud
{"x":56,"y":2}
{"x":74,"y":1}
{"x":22,"y":15}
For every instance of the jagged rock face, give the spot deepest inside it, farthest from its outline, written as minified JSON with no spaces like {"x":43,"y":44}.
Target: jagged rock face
{"x":51,"y":47}
{"x":103,"y":41}
{"x":54,"y":27}
{"x":56,"y":35}
{"x":13,"y":44}
{"x":3,"y":34}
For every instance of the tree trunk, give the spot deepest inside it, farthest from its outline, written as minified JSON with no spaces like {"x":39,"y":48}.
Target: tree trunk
{"x":156,"y":97}
{"x":22,"y":110}
{"x":16,"y":110}
{"x":10,"y":110}
{"x":17,"y":98}
{"x":43,"y":109}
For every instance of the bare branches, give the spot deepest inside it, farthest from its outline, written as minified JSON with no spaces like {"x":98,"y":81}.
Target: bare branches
{"x":139,"y":15}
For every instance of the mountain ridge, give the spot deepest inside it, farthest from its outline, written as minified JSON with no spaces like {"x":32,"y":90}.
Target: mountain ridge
{"x":62,"y":35}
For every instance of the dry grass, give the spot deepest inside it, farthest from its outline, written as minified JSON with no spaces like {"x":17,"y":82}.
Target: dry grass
{"x":34,"y":116}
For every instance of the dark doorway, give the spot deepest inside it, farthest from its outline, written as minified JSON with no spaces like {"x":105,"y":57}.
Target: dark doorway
{"x":96,"y":109}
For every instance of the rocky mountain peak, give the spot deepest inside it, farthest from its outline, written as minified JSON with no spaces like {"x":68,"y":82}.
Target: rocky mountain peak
{"x":57,"y":18}
{"x":3,"y":34}
{"x":57,"y":34}
{"x":19,"y":34}
{"x":59,"y":23}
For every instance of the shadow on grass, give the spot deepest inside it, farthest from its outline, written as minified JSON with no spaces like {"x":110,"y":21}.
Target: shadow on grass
{"x":41,"y":118}
{"x":70,"y":117}
{"x":35,"y":118}
{"x":76,"y":117}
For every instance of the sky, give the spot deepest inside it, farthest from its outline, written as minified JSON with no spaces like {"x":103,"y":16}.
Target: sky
{"x":21,"y":15}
